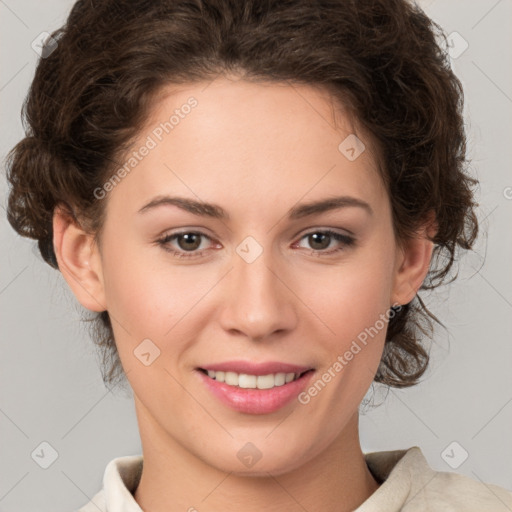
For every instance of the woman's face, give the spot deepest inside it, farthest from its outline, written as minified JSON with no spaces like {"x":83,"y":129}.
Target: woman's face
{"x":256,"y":287}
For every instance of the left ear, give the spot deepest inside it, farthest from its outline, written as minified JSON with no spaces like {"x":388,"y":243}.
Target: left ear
{"x":413,"y":262}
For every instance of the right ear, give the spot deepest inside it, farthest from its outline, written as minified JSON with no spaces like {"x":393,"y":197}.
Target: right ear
{"x":79,"y":260}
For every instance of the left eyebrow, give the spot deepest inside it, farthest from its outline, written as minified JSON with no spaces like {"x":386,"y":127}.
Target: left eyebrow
{"x":204,"y":209}
{"x":315,"y":207}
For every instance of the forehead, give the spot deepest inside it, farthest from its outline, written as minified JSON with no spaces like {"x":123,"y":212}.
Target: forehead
{"x":250,"y":140}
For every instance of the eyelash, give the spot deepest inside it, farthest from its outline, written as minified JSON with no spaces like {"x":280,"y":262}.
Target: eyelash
{"x":348,"y":241}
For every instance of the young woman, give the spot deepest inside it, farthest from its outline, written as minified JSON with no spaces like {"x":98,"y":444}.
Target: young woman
{"x":250,"y":196}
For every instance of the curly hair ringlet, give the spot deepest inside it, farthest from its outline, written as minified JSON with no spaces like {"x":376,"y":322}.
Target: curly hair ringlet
{"x":381,"y":59}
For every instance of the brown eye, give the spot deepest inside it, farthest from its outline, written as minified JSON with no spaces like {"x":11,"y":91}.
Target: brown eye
{"x":318,"y":240}
{"x":185,"y":244}
{"x":189,"y":241}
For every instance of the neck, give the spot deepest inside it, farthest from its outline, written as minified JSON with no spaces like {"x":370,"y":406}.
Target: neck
{"x":336,"y":480}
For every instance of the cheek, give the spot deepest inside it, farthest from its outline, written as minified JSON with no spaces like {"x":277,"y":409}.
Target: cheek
{"x":149,"y":298}
{"x":353,"y":302}
{"x":141,"y":301}
{"x":352,"y":296}
{"x":135,"y":297}
{"x":356,"y":314}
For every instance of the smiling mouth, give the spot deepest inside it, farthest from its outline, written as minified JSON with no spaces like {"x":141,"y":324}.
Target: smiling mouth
{"x":248,"y":381}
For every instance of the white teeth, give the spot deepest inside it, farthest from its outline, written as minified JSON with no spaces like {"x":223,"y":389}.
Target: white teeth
{"x":280,"y":379}
{"x":266,"y":381}
{"x":247,"y":381}
{"x":289,"y":377}
{"x":231,"y":378}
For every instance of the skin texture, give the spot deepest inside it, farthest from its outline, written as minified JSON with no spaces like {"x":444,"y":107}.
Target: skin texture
{"x":257,"y":150}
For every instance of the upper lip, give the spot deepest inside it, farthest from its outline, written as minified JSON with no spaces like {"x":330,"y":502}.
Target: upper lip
{"x":251,"y":368}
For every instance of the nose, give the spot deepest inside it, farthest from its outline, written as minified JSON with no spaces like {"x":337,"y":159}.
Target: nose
{"x":259,"y":302}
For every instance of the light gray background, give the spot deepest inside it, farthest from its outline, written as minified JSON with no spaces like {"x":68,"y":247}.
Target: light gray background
{"x":51,"y":389}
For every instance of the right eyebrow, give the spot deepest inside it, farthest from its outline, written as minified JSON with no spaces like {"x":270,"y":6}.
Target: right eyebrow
{"x":190,"y":205}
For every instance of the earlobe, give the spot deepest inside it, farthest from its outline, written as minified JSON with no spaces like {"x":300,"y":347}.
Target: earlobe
{"x":79,"y":260}
{"x":413,"y":264}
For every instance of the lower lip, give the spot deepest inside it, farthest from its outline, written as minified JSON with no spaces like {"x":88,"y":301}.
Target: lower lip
{"x":256,"y":401}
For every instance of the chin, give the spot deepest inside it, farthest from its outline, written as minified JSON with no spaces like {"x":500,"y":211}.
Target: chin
{"x":249,"y":461}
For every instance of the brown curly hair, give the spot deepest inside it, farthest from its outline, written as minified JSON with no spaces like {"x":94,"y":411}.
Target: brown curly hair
{"x":383,"y":59}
